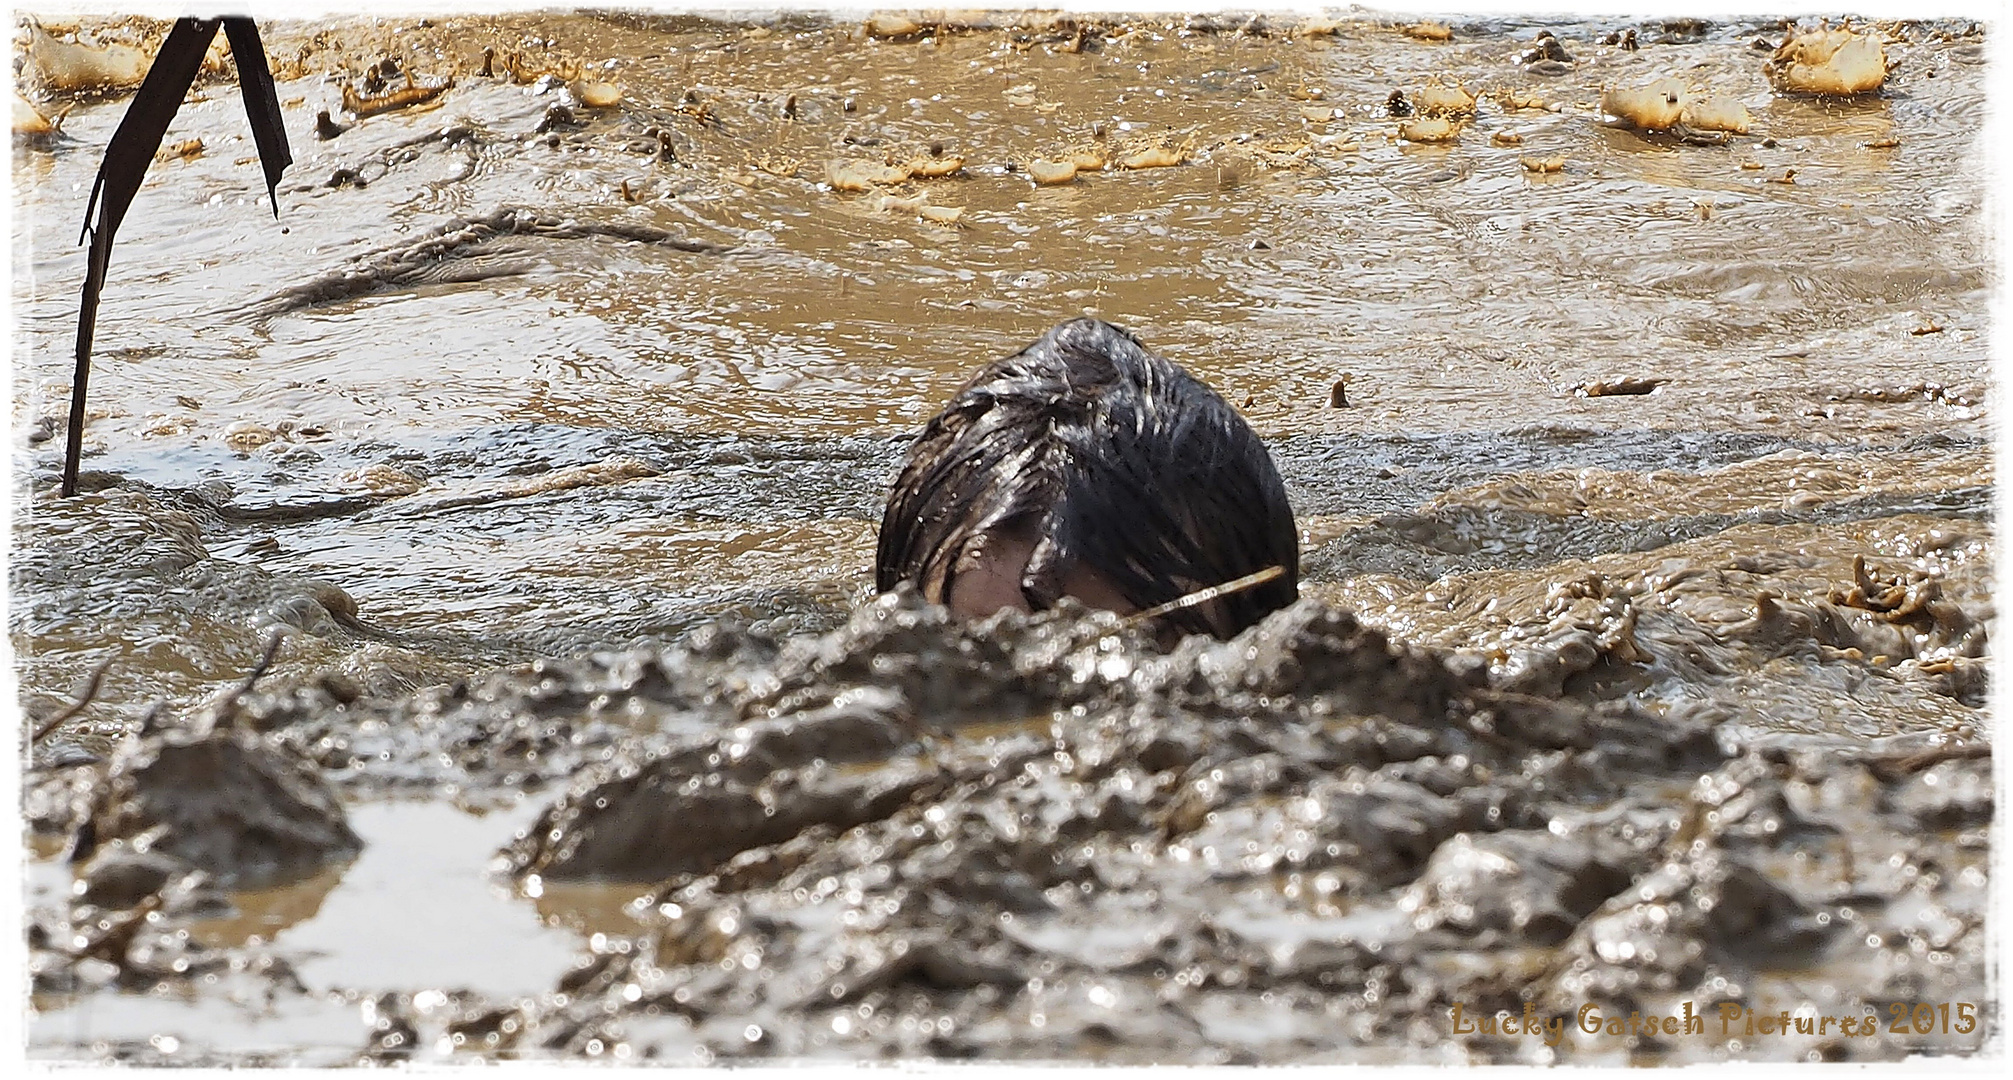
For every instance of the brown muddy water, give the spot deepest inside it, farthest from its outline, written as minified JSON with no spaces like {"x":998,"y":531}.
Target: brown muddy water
{"x":1643,"y":663}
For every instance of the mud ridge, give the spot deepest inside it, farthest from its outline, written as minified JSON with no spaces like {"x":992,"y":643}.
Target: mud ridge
{"x":463,"y":250}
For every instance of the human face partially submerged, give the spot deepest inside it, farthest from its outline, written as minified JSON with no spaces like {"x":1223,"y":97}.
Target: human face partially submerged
{"x":988,"y":573}
{"x":1085,"y":466}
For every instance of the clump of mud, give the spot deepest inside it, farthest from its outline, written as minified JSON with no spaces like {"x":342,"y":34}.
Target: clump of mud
{"x":1824,"y":61}
{"x":157,"y":833}
{"x":1051,"y":838}
{"x":226,"y":802}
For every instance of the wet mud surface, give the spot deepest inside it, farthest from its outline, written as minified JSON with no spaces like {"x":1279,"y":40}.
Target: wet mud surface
{"x":463,"y":645}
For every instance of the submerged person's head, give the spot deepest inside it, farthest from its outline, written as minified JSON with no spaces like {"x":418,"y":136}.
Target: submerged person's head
{"x":1086,"y":466}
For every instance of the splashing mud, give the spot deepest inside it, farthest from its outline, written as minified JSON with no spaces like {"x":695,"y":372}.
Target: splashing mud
{"x":1641,"y":665}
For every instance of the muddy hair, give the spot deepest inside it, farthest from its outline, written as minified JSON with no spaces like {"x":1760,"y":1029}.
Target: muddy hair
{"x":1113,"y":460}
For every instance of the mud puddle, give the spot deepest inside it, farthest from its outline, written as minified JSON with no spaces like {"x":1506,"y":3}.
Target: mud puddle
{"x":350,"y":933}
{"x":1644,"y":661}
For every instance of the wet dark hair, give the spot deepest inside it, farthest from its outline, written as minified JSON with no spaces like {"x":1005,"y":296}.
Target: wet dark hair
{"x":1114,"y":461}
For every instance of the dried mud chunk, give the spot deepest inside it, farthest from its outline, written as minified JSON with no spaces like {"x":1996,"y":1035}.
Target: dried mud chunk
{"x":931,"y":168}
{"x":1717,"y":113}
{"x":893,"y":27}
{"x":1087,"y":159}
{"x":1152,"y":157}
{"x":1526,"y":884}
{"x":229,"y":803}
{"x":597,"y":95}
{"x":1654,"y":107}
{"x":1045,"y":172}
{"x":857,"y":175}
{"x":1436,"y":100}
{"x":1835,"y":62}
{"x":1432,"y":129}
{"x":66,"y":68}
